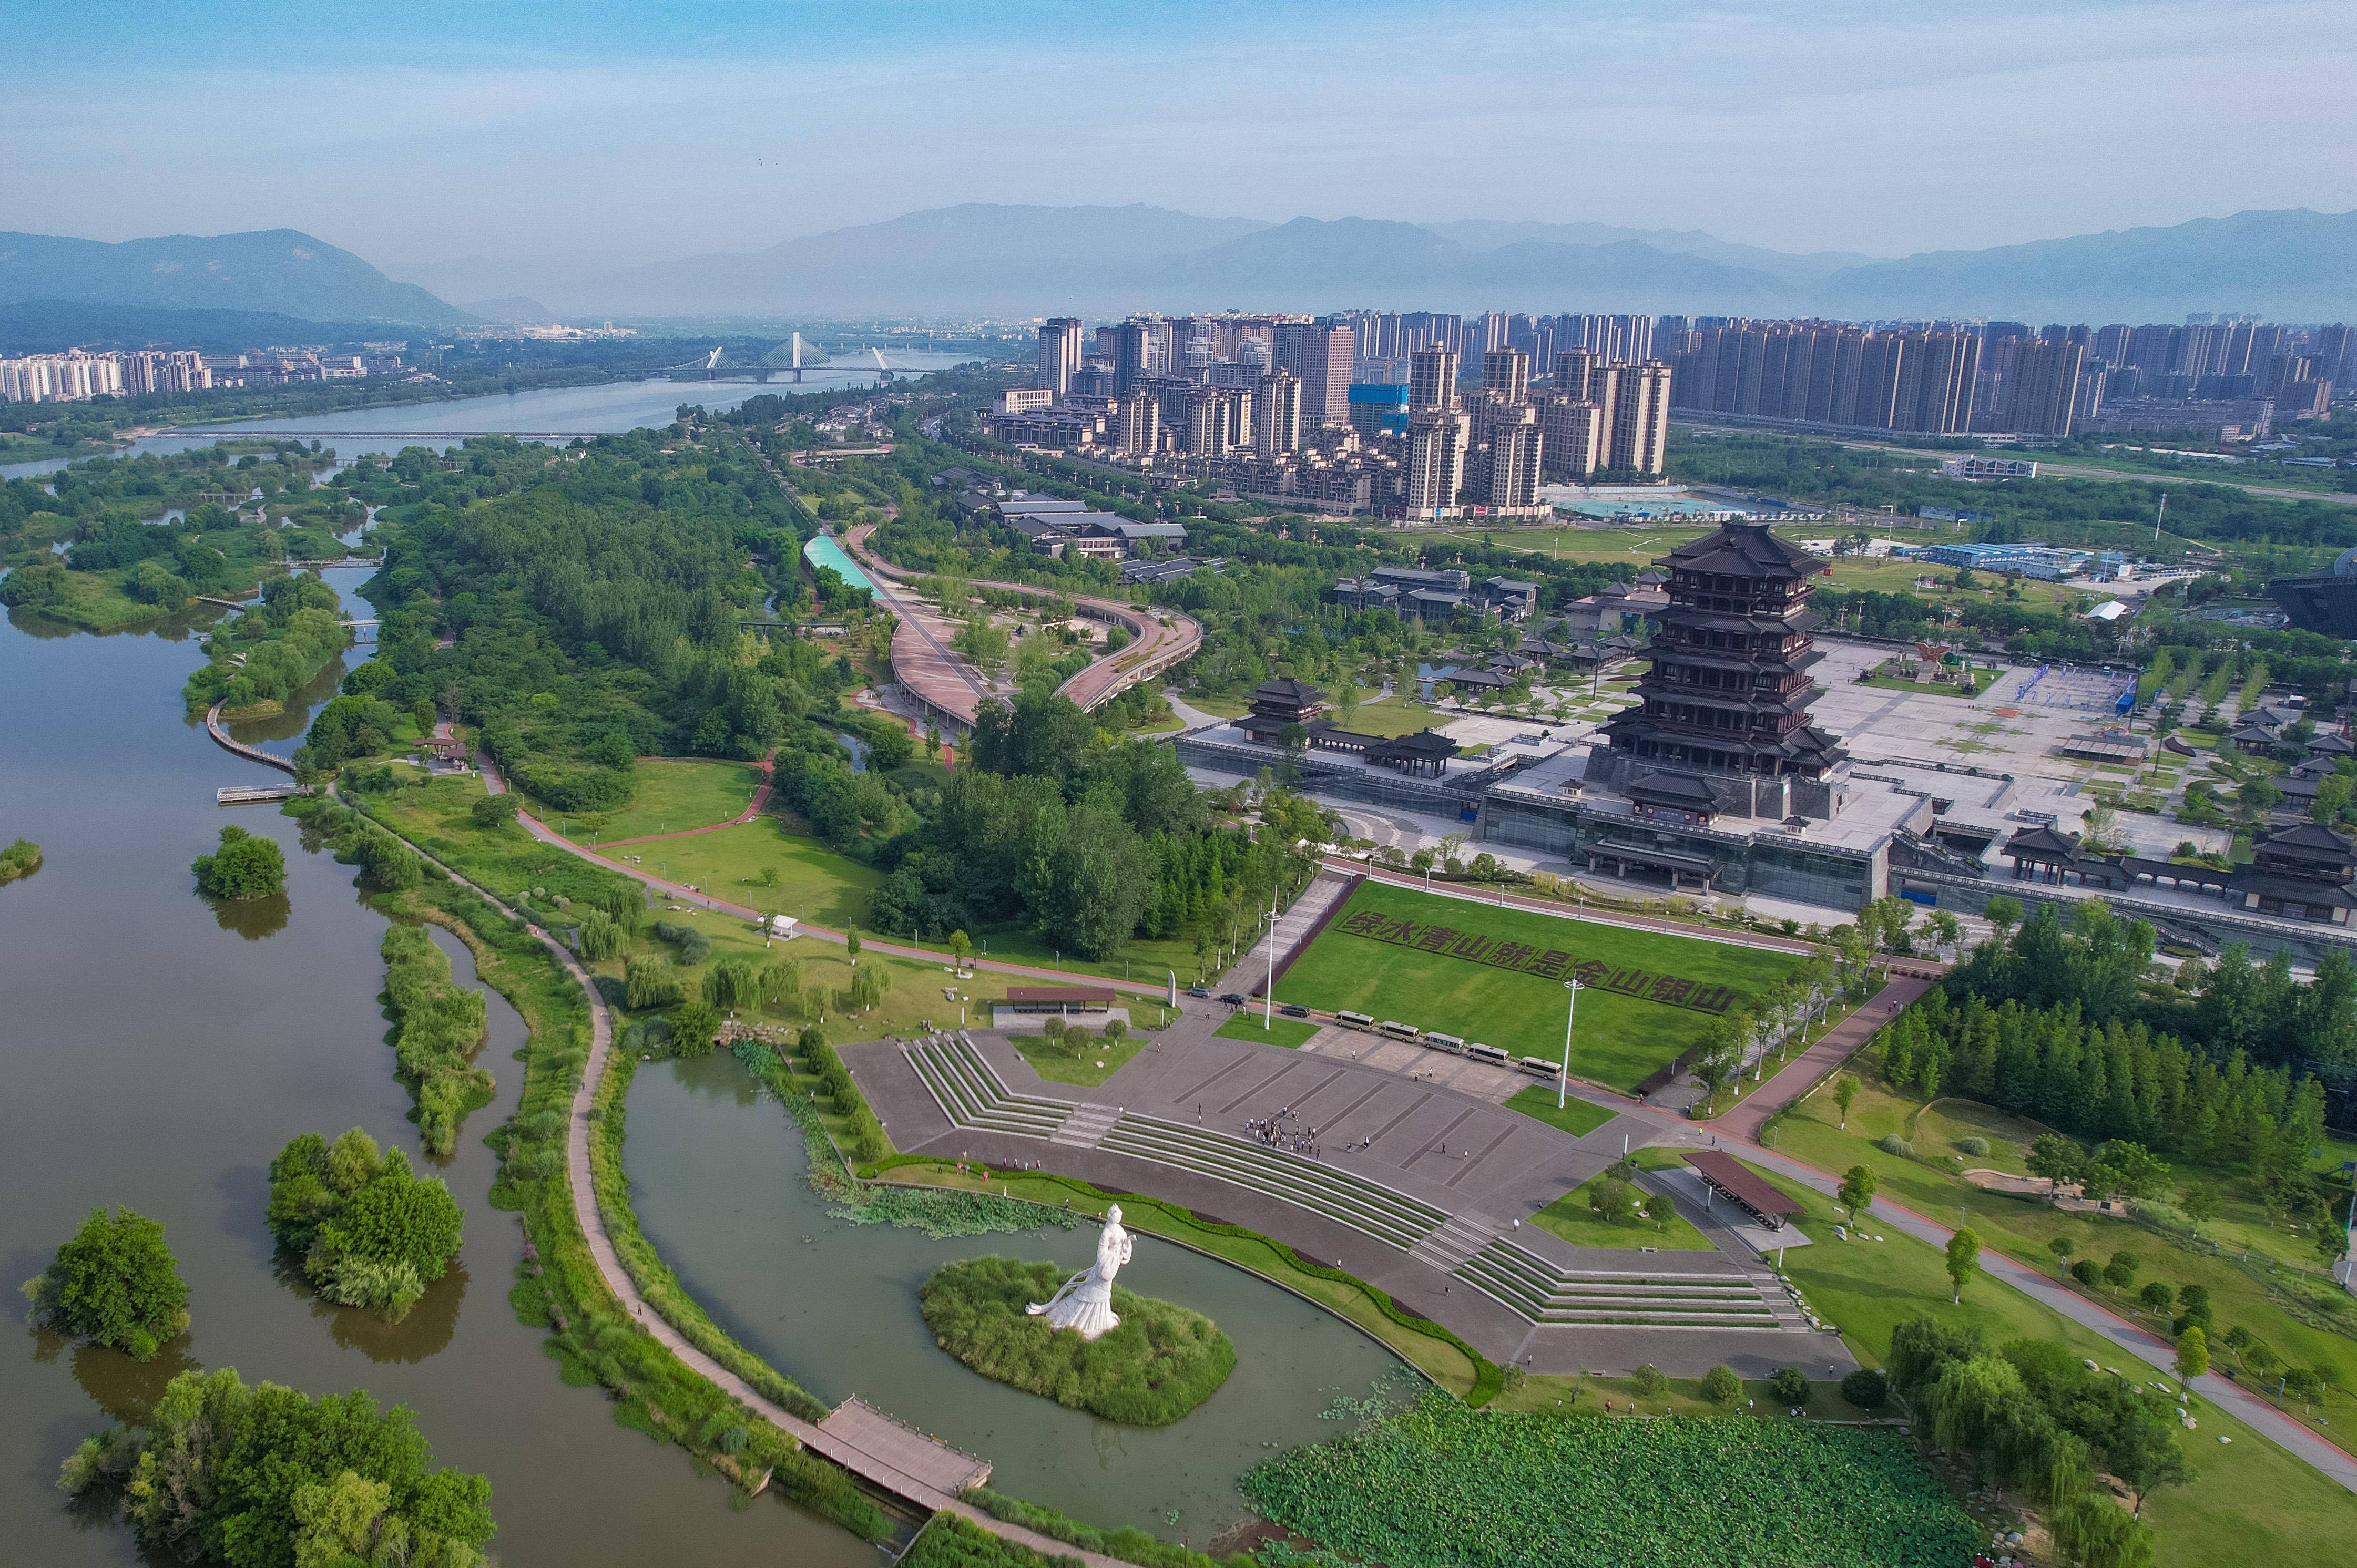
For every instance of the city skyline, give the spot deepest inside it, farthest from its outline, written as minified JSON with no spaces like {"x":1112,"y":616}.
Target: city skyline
{"x":1799,"y":128}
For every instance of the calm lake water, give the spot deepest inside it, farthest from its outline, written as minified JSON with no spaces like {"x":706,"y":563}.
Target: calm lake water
{"x":605,"y":409}
{"x":716,"y":1179}
{"x":157,"y":1055}
{"x":157,"y":1052}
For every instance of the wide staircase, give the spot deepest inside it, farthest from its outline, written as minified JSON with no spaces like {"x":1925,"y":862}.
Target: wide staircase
{"x":1467,"y":1246}
{"x":1546,"y":1292}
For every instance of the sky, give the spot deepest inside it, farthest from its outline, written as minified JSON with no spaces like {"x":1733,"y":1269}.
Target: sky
{"x":424,"y":131}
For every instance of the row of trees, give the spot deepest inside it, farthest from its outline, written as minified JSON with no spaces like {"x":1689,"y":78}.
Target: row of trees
{"x":2108,"y":1082}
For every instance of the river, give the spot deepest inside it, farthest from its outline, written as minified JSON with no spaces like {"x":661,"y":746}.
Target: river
{"x":157,"y":1055}
{"x":157,"y":1052}
{"x":608,"y":409}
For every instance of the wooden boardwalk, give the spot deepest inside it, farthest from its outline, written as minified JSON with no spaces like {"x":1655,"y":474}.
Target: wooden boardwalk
{"x":214,"y":727}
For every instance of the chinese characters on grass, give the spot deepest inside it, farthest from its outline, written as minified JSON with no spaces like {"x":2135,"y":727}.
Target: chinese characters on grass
{"x":1547,"y":963}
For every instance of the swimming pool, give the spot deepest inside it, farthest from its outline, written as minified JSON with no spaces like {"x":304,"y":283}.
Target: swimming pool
{"x":823,"y":550}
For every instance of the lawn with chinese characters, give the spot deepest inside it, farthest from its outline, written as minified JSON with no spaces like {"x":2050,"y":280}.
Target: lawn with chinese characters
{"x":1621,"y":1039}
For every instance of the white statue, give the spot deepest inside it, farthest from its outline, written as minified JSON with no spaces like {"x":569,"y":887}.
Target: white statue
{"x":1086,"y":1301}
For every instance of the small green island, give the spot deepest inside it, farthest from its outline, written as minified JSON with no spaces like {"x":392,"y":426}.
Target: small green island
{"x":371,"y":1232}
{"x":247,"y":866}
{"x":19,"y":860}
{"x":1161,"y":1361}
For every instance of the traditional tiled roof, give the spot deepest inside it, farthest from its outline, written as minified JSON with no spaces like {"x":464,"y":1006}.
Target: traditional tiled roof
{"x":1743,"y":549}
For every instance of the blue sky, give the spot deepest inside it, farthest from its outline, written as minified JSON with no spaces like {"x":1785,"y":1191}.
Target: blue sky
{"x":412,"y":133}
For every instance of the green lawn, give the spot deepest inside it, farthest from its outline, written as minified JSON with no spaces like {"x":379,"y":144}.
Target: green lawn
{"x":1245,"y":1025}
{"x":1620,"y":1039}
{"x":673,"y":795}
{"x":1578,"y":1117}
{"x":2021,"y":1227}
{"x":1098,"y":1059}
{"x":2250,"y":1502}
{"x":1570,"y":1218}
{"x":814,"y":882}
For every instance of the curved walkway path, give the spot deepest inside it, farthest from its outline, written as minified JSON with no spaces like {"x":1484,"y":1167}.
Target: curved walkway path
{"x":870,"y":1445}
{"x":1159,"y":640}
{"x":220,"y":732}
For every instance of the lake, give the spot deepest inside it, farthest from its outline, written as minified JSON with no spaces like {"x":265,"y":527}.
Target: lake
{"x":608,"y":409}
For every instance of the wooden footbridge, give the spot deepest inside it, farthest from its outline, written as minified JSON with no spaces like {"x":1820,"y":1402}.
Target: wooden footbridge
{"x":222,"y":738}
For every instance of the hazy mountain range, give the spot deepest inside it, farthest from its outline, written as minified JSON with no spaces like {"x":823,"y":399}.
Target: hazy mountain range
{"x":281,"y":271}
{"x":2292,"y":265}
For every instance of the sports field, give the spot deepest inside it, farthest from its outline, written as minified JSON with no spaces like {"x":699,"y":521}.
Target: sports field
{"x":1620,"y":1040}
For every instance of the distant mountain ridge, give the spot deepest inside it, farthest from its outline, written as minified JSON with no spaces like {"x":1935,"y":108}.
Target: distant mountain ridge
{"x":1022,"y":261}
{"x":278,"y":271}
{"x":1100,"y":260}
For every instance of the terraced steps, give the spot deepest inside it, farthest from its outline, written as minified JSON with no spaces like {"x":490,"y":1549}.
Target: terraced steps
{"x":1085,"y":1128}
{"x":1467,"y":1246}
{"x":1456,"y":1242}
{"x":1544,"y":1292}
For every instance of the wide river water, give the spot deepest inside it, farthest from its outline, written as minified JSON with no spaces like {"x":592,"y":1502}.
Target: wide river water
{"x":603,"y":410}
{"x":156,"y":1053}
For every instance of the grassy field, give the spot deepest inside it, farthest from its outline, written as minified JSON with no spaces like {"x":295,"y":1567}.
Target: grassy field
{"x":1245,"y":1024}
{"x":1578,"y":1117}
{"x":1570,"y":1218}
{"x":2250,"y":1502}
{"x":1619,"y":1040}
{"x":672,"y":794}
{"x":814,"y":882}
{"x":1088,"y":1066}
{"x":2022,"y":1227}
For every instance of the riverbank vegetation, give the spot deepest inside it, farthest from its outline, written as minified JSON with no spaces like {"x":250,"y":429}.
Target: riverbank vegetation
{"x":370,"y":1231}
{"x":1157,"y":1363}
{"x":114,"y":1282}
{"x":265,"y":1476}
{"x":1438,"y":1486}
{"x":18,"y":861}
{"x":437,"y":1028}
{"x":254,"y":658}
{"x":246,"y":865}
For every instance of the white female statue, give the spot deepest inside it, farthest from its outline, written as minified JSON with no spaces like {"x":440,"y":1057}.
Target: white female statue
{"x":1086,"y":1301}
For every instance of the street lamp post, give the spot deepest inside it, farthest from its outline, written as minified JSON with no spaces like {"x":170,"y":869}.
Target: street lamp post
{"x":1570,"y":1011}
{"x":1268,"y":986}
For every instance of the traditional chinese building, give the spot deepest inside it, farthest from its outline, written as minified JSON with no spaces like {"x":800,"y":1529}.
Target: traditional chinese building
{"x":1726,"y":699}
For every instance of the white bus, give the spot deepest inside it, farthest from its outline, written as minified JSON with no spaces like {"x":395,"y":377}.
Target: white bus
{"x":1539,"y":1067}
{"x":1491,"y":1054}
{"x":1355,"y":1021}
{"x":1435,"y":1040}
{"x":1408,"y":1032}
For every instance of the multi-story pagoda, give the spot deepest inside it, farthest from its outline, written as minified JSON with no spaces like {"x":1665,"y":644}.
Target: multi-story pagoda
{"x":1726,"y":699}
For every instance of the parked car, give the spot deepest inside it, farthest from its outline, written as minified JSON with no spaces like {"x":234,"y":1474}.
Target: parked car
{"x":1294,"y":1010}
{"x":1233,"y":999}
{"x":1203,"y":990}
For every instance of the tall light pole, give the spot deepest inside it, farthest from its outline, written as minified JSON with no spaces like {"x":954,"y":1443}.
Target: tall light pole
{"x":1268,"y":986}
{"x":1570,"y":1011}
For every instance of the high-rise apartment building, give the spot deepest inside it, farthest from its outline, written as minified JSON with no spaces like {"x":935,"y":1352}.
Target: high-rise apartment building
{"x":1277,"y":415}
{"x":2042,"y":394}
{"x":1320,"y":353}
{"x":1506,"y":375}
{"x":1640,"y":418}
{"x":1436,"y":439}
{"x":1571,"y":436}
{"x":1514,"y":459}
{"x":1133,"y":353}
{"x":1432,"y":379}
{"x":1061,"y":351}
{"x":1140,"y":432}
